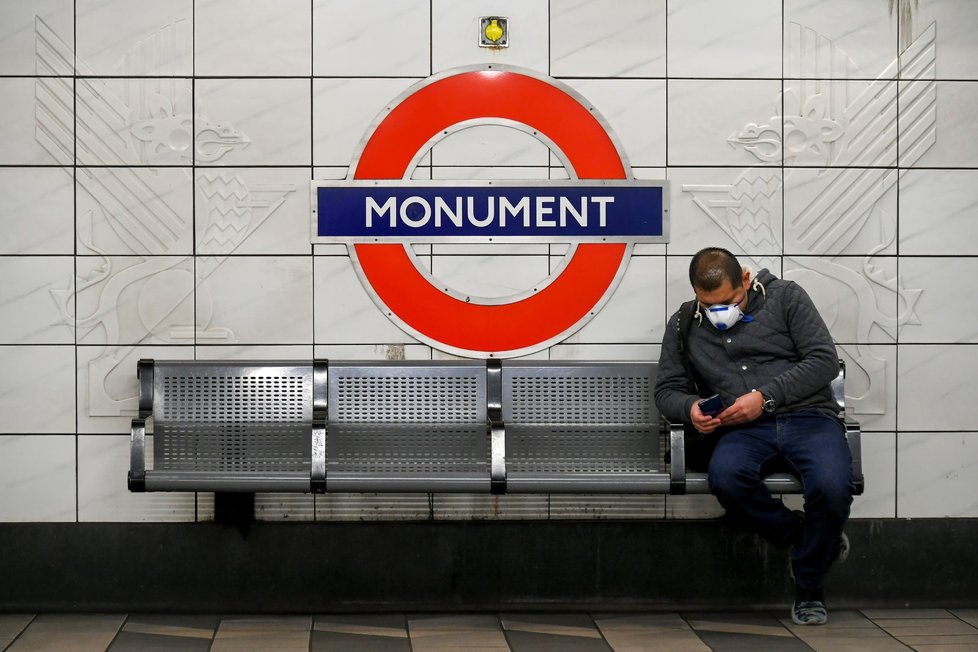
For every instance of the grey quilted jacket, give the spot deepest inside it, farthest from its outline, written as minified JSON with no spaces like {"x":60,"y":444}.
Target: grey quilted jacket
{"x":786,"y":353}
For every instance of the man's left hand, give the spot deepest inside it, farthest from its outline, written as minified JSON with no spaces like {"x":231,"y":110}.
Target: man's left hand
{"x":746,"y":408}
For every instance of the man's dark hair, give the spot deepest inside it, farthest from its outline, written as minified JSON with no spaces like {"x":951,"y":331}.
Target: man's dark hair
{"x":711,"y":266}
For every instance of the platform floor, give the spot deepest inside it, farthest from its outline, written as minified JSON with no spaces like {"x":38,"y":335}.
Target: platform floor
{"x":865,"y":631}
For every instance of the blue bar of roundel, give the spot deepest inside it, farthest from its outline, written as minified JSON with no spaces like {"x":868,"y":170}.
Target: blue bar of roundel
{"x":636,"y":211}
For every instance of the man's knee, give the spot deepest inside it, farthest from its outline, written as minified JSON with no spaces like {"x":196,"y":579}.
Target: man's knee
{"x":730,"y":477}
{"x":832,"y":494}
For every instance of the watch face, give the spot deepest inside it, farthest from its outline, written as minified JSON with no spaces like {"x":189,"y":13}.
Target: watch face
{"x":769,"y":405}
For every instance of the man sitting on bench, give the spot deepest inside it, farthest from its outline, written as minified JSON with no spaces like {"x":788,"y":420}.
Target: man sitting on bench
{"x":768,"y":354}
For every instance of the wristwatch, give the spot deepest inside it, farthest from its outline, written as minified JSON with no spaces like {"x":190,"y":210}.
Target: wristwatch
{"x":768,"y":403}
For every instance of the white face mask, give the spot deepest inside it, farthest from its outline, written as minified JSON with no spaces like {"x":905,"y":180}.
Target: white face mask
{"x":723,"y":317}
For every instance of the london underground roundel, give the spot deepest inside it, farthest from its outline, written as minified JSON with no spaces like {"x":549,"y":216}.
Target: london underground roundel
{"x":378,"y":211}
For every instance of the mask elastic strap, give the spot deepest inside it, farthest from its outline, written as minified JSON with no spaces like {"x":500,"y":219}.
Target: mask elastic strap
{"x":757,"y":286}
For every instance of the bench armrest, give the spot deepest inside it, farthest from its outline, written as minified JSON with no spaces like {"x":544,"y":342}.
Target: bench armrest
{"x":677,"y":446}
{"x":677,"y":457}
{"x":137,"y":456}
{"x":854,"y":437}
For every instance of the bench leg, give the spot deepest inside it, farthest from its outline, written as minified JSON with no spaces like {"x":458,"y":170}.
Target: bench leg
{"x":234,"y":508}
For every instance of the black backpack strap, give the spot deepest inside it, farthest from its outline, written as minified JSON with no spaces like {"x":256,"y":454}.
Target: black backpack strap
{"x":686,"y":313}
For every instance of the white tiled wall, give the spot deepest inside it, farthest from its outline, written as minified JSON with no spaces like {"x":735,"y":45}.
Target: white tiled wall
{"x":154,"y":202}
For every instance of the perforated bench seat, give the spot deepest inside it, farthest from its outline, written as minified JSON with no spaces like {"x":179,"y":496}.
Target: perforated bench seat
{"x":388,"y":426}
{"x":223,"y":426}
{"x":411,"y":426}
{"x":581,"y":427}
{"x":407,"y":426}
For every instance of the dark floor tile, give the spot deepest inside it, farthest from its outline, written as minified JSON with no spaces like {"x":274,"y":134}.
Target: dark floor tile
{"x":533,"y":642}
{"x":325,"y":622}
{"x":727,"y":642}
{"x":360,"y":633}
{"x":338,"y":642}
{"x":188,"y":621}
{"x":133,"y":642}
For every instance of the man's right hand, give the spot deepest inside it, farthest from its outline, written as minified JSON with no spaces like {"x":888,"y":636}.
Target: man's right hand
{"x":701,"y":422}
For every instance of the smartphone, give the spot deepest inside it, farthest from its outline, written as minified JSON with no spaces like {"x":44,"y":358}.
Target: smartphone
{"x":711,"y":405}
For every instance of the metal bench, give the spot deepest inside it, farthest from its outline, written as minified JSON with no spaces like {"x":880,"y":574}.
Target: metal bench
{"x":413,"y":426}
{"x":389,"y":426}
{"x":687,"y":482}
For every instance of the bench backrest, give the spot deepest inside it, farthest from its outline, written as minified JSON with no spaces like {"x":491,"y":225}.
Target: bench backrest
{"x":580,"y":417}
{"x":231,"y":416}
{"x":407,"y":417}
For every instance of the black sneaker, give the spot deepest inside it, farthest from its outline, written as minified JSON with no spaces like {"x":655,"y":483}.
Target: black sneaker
{"x":809,"y":607}
{"x":809,"y":612}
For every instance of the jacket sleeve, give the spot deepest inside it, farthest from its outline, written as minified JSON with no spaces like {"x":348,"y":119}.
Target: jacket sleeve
{"x":674,"y":391}
{"x":818,"y":361}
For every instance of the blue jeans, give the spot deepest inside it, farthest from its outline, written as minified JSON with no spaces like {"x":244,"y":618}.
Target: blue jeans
{"x":808,"y":444}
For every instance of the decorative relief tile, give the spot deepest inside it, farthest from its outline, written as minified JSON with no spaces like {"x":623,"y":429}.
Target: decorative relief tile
{"x":735,"y":208}
{"x":233,"y":38}
{"x":840,"y":211}
{"x":371,"y":38}
{"x":134,"y":37}
{"x":854,"y":41}
{"x":941,"y":314}
{"x":31,"y":26}
{"x":871,"y":385}
{"x":37,"y":389}
{"x":108,"y":389}
{"x":252,"y":211}
{"x":27,"y":313}
{"x":254,"y":300}
{"x":37,"y":478}
{"x":626,"y":38}
{"x":253,"y":122}
{"x":36,"y":211}
{"x":856,"y":297}
{"x":37,"y":125}
{"x":124,"y":211}
{"x":839,"y":122}
{"x":726,"y":122}
{"x":134,"y":121}
{"x":455,"y":33}
{"x":131,"y":300}
{"x":714,"y":38}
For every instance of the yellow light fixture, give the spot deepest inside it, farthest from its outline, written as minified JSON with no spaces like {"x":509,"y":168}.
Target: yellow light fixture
{"x":494,"y":32}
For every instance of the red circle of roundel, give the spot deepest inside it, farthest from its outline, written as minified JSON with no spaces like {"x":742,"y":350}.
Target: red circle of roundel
{"x":483,"y":95}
